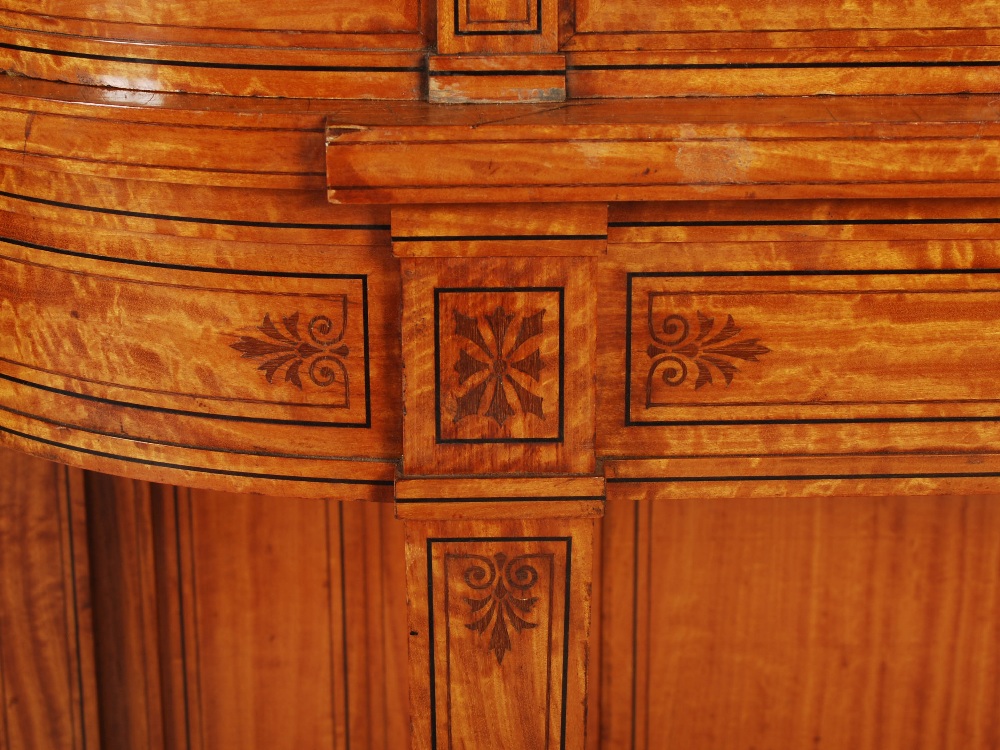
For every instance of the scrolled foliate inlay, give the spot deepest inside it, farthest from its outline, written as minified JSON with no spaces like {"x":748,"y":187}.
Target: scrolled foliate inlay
{"x":678,"y":352}
{"x":504,"y":596}
{"x":313,"y":350}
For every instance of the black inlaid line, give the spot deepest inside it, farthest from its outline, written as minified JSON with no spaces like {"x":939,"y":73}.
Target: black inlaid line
{"x":180,"y":610}
{"x":628,"y":348}
{"x":836,"y":420}
{"x":832,"y":272}
{"x":492,"y":73}
{"x":801,"y":222}
{"x":196,"y":469}
{"x":191,"y":219}
{"x":500,"y":237}
{"x":566,"y":630}
{"x":179,"y":412}
{"x":805,"y":477}
{"x":76,"y":606}
{"x":635,"y":617}
{"x":180,"y":266}
{"x":343,"y":625}
{"x":790,"y":66}
{"x":216,"y":65}
{"x":169,"y":443}
{"x":430,"y":636}
{"x":368,"y":377}
{"x":405,"y":500}
{"x":431,"y":541}
{"x":536,"y":30}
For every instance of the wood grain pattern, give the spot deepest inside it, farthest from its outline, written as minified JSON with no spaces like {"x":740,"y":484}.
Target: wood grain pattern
{"x":199,"y":644}
{"x":255,"y":15}
{"x":891,"y":399}
{"x":636,"y":17}
{"x":662,"y":150}
{"x":343,"y":52}
{"x":769,"y":336}
{"x":46,"y":643}
{"x":127,"y":620}
{"x":767,"y":621}
{"x":241,"y":554}
{"x":511,"y":672}
{"x":720,"y":71}
{"x":522,"y":229}
{"x":466,"y":79}
{"x":736,"y":477}
{"x":475,"y":405}
{"x":471,"y":498}
{"x":47,"y":206}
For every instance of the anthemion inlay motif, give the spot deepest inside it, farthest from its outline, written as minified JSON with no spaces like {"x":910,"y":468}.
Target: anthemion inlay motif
{"x":298,"y":349}
{"x":678,"y":351}
{"x":492,"y":370}
{"x":501,"y":594}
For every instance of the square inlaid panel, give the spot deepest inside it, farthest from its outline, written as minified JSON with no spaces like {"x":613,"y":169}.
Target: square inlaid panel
{"x":499,"y":365}
{"x":499,"y":355}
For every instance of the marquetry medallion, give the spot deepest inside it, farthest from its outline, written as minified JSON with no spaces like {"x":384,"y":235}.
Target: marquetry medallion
{"x":499,"y":365}
{"x":499,"y":360}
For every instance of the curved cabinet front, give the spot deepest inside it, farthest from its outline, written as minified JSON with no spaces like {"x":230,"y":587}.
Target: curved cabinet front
{"x":159,"y":321}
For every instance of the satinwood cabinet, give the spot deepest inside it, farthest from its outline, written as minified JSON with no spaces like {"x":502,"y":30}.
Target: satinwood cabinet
{"x":560,"y":374}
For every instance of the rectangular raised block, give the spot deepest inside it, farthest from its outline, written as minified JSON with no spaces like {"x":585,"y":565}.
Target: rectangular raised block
{"x":497,"y":26}
{"x":476,"y":498}
{"x":520,"y":229}
{"x":499,"y":358}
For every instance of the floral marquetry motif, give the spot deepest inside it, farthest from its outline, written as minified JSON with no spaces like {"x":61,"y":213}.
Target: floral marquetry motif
{"x":500,"y":371}
{"x":499,"y":364}
{"x":319,"y":352}
{"x":501,"y":595}
{"x":711,"y":351}
{"x":502,"y":644}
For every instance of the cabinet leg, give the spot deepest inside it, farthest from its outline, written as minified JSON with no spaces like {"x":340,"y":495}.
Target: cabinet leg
{"x":499,"y":615}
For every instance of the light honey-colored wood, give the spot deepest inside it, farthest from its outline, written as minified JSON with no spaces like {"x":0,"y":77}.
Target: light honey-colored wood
{"x":488,"y":499}
{"x":469,"y":79}
{"x":522,"y":229}
{"x":177,"y":575}
{"x":663,"y":150}
{"x":457,"y":419}
{"x":240,"y":253}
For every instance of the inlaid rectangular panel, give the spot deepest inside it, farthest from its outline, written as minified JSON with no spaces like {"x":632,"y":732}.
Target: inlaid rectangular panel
{"x":287,"y":355}
{"x":780,"y":347}
{"x":637,"y":16}
{"x":491,"y":349}
{"x":498,"y":356}
{"x":497,"y":26}
{"x":297,"y":355}
{"x":499,"y":639}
